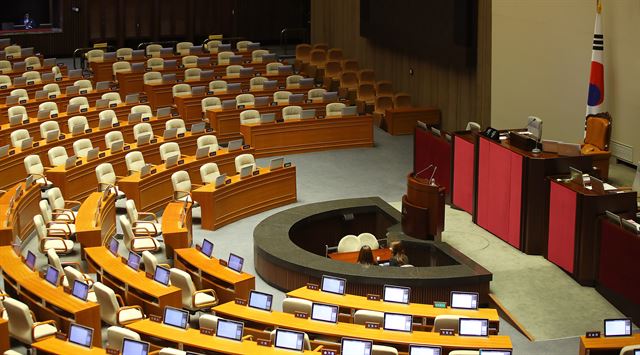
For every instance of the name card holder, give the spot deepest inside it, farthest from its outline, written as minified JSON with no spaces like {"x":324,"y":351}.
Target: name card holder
{"x":84,"y":109}
{"x":257,"y":172}
{"x":302,"y":315}
{"x":287,"y":164}
{"x":154,"y":141}
{"x":227,"y":182}
{"x":447,"y":332}
{"x":439,"y":304}
{"x":240,"y":301}
{"x":111,"y":351}
{"x":222,"y":262}
{"x":372,"y":325}
{"x":61,"y":336}
{"x":155,"y":318}
{"x":372,"y":297}
{"x":206,"y":331}
{"x":592,"y":334}
{"x":212,"y":154}
{"x":36,"y":144}
{"x":314,"y":287}
{"x":264,"y":342}
{"x":180,"y":135}
{"x":246,"y":146}
{"x":329,"y":352}
{"x":126,"y":147}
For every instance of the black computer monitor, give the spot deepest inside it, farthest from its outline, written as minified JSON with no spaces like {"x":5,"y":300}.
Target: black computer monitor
{"x":30,"y":260}
{"x":620,"y":327}
{"x":475,"y":327}
{"x":495,"y":352}
{"x":207,"y":248}
{"x":350,"y":346}
{"x":134,"y":260}
{"x":397,"y":321}
{"x":175,"y":317}
{"x":260,"y":300}
{"x":134,"y":347}
{"x":80,"y":290}
{"x":80,"y":335}
{"x":52,"y":275}
{"x":424,"y":350}
{"x":113,"y":246}
{"x":464,"y":300}
{"x":161,"y":275}
{"x":324,"y":312}
{"x":229,"y":329}
{"x":289,"y":339}
{"x":333,"y":284}
{"x":235,"y":262}
{"x":396,"y":294}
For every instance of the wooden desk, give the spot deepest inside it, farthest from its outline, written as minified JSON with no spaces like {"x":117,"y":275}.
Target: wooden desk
{"x":430,"y":148}
{"x":161,"y":335}
{"x":349,"y":303}
{"x":245,"y":197}
{"x":42,"y":70}
{"x":352,"y":256}
{"x":31,"y":89}
{"x":398,"y":121}
{"x":46,"y":301}
{"x":154,"y":191}
{"x":61,"y":100}
{"x":53,"y":345}
{"x":400,"y":340}
{"x":301,"y":136}
{"x":93,"y":229}
{"x":134,"y":286}
{"x":18,"y":222}
{"x":4,"y":335}
{"x":208,"y":273}
{"x":606,"y":345}
{"x":176,"y":227}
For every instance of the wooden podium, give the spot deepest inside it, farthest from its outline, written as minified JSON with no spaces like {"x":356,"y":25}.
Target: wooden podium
{"x":423,"y":209}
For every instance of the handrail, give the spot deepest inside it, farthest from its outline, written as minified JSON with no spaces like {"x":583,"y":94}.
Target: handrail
{"x":144,"y":45}
{"x":80,"y":52}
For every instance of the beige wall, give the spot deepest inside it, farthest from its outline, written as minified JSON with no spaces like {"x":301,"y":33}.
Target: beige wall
{"x":541,"y":53}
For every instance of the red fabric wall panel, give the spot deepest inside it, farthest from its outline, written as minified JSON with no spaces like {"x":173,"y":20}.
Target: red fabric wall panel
{"x":463,"y":174}
{"x":562,"y":226}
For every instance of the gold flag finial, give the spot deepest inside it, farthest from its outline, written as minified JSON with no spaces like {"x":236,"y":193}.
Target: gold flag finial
{"x":598,"y":6}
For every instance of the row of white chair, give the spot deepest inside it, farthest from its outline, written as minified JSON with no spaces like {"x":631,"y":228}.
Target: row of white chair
{"x":350,"y":243}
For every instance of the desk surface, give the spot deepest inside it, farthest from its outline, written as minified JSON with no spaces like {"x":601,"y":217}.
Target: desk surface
{"x":352,"y":256}
{"x":602,"y":343}
{"x":211,"y":266}
{"x":53,"y":345}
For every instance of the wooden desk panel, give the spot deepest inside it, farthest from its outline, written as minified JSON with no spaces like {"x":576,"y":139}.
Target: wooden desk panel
{"x":46,"y":301}
{"x":55,"y":346}
{"x":61,"y":100}
{"x":384,"y":254}
{"x":18,"y":222}
{"x":177,"y":229}
{"x":93,"y":229}
{"x":245,"y":197}
{"x":301,"y":136}
{"x":134,"y":286}
{"x":191,"y":339}
{"x":400,"y":121}
{"x":208,"y":273}
{"x":378,"y":336}
{"x":31,"y":89}
{"x":42,"y":70}
{"x":601,"y":345}
{"x":4,"y":335}
{"x":154,"y":191}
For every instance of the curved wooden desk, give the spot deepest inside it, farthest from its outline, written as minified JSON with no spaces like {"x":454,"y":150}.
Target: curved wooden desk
{"x":4,"y":335}
{"x":61,"y":100}
{"x":154,"y":191}
{"x":208,"y":273}
{"x":46,"y":301}
{"x":55,"y":346}
{"x":301,"y":136}
{"x":400,"y":340}
{"x":606,"y":345}
{"x":31,"y":89}
{"x":176,"y":227}
{"x":246,"y":197}
{"x":96,"y":219}
{"x":134,"y":286}
{"x":161,"y":335}
{"x":18,"y":221}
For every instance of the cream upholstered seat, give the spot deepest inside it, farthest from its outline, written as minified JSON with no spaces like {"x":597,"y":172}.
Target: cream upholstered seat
{"x":369,"y":239}
{"x":81,"y":147}
{"x":208,"y":321}
{"x":107,"y":178}
{"x":152,"y":226}
{"x":306,"y":343}
{"x":192,"y":74}
{"x":52,"y":89}
{"x":446,"y":321}
{"x":141,"y":129}
{"x":81,"y":101}
{"x":5,"y":81}
{"x":137,"y":239}
{"x":208,"y":140}
{"x":124,"y":53}
{"x":120,"y":67}
{"x":155,"y":63}
{"x":210,"y":102}
{"x":249,"y":117}
{"x":182,"y":186}
{"x":18,"y":110}
{"x":18,"y":136}
{"x":293,"y":81}
{"x":143,"y":110}
{"x":57,"y":221}
{"x":629,"y":349}
{"x":111,"y":137}
{"x":54,"y":260}
{"x":49,"y":238}
{"x":109,"y":116}
{"x":94,"y":55}
{"x":209,"y":172}
{"x":243,"y":160}
{"x":256,"y":56}
{"x":383,"y":350}
{"x":242,"y":46}
{"x":150,"y":262}
{"x":116,"y":335}
{"x":134,"y":161}
{"x":22,"y":324}
{"x":223,"y":57}
{"x":349,"y":243}
{"x":60,"y":205}
{"x":113,"y":97}
{"x":33,"y":166}
{"x":48,"y":126}
{"x":363,"y":316}
{"x":181,"y":90}
{"x":334,"y":109}
{"x":50,"y":106}
{"x":5,"y":67}
{"x":245,"y":99}
{"x":57,"y":73}
{"x":83,"y":84}
{"x":183,"y":47}
{"x":218,"y":86}
{"x":20,"y":93}
{"x":212,"y":46}
{"x":13,"y":50}
{"x":73,"y":274}
{"x":76,"y":121}
{"x":153,"y":50}
{"x":152,"y":77}
{"x":292,"y":305}
{"x":291,"y":113}
{"x":192,"y":299}
{"x":177,"y":123}
{"x":257,"y":83}
{"x":168,"y":149}
{"x":281,"y":97}
{"x":190,"y":61}
{"x":32,"y":76}
{"x":272,"y":68}
{"x":233,"y":71}
{"x":57,"y":156}
{"x":316,"y":95}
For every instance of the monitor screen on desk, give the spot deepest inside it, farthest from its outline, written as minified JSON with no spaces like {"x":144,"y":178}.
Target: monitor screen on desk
{"x":113,"y":246}
{"x":80,"y":335}
{"x":80,"y":290}
{"x":235,"y":262}
{"x":52,"y":275}
{"x":260,"y":300}
{"x":473,"y":327}
{"x":161,"y":275}
{"x":617,"y":327}
{"x":333,"y":284}
{"x":396,"y":294}
{"x":424,"y":350}
{"x":351,"y":346}
{"x":229,"y":329}
{"x":494,"y":352}
{"x":175,"y":317}
{"x":30,"y":260}
{"x":133,"y":261}
{"x":289,"y":339}
{"x":134,"y":347}
{"x":207,"y":248}
{"x":464,"y":300}
{"x":397,"y":321}
{"x":324,"y":312}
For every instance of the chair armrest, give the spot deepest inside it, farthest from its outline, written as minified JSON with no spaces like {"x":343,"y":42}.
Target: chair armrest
{"x":206,"y":290}
{"x":153,"y":215}
{"x":64,"y":216}
{"x":37,"y":324}
{"x":49,"y":230}
{"x":61,"y":224}
{"x":44,"y":240}
{"x":247,"y":337}
{"x":135,"y":224}
{"x":141,"y":231}
{"x":120,"y":300}
{"x":318,"y":348}
{"x":62,"y":210}
{"x":74,"y":264}
{"x":195,"y":186}
{"x":165,"y":265}
{"x":124,"y":308}
{"x":72,"y":203}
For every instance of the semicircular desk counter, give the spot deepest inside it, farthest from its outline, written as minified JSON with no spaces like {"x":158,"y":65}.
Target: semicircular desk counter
{"x":289,"y":249}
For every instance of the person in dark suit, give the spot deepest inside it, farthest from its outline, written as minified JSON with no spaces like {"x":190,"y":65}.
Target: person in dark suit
{"x":28,"y":22}
{"x":398,"y":256}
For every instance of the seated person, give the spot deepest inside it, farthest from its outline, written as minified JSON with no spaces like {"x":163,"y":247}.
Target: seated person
{"x":398,"y":256}
{"x":365,"y":257}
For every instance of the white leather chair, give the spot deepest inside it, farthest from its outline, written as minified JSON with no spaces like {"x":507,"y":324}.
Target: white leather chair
{"x":141,"y":129}
{"x":152,"y":226}
{"x":22,"y":324}
{"x":171,"y":351}
{"x":212,"y":46}
{"x":249,"y":117}
{"x":19,"y":135}
{"x":177,"y":123}
{"x":52,"y":89}
{"x":223,"y":57}
{"x":349,"y":243}
{"x":192,"y":74}
{"x":124,"y":53}
{"x":334,"y":109}
{"x":218,"y":86}
{"x":49,"y":238}
{"x":272,"y":68}
{"x":281,"y":97}
{"x":6,"y":67}
{"x":83,"y":84}
{"x":153,"y":50}
{"x":182,"y":186}
{"x":77,"y":121}
{"x":57,"y":220}
{"x":292,"y":305}
{"x":94,"y":55}
{"x":362,"y":316}
{"x":152,"y":77}
{"x":106,"y":177}
{"x":116,"y":335}
{"x":155,"y":63}
{"x":210,"y":102}
{"x":109,"y":115}
{"x":5,"y":81}
{"x":134,"y":161}
{"x":54,"y":260}
{"x":150,"y":262}
{"x":209,"y":172}
{"x":291,"y":113}
{"x":72,"y":274}
{"x":18,"y":110}
{"x":629,"y":349}
{"x":473,"y":126}
{"x":57,"y":156}
{"x":20,"y":93}
{"x":57,"y":73}
{"x":256,"y":55}
{"x":52,"y":107}
{"x":32,"y":76}
{"x":60,"y":205}
{"x":181,"y":90}
{"x":183,"y":48}
{"x":48,"y":126}
{"x":143,"y":110}
{"x":33,"y":62}
{"x":369,"y":239}
{"x":208,"y":140}
{"x":190,"y":61}
{"x":233,"y":71}
{"x":257,"y":83}
{"x":243,"y":160}
{"x":168,"y":149}
{"x":137,"y":239}
{"x":111,"y":137}
{"x":120,"y":67}
{"x":192,"y":299}
{"x":293,"y":81}
{"x":13,"y":50}
{"x":316,"y":94}
{"x":383,"y":350}
{"x":113,"y":97}
{"x":245,"y":99}
{"x":81,"y":147}
{"x":81,"y":101}
{"x":446,"y":321}
{"x":209,"y":321}
{"x":33,"y":166}
{"x":242,"y":46}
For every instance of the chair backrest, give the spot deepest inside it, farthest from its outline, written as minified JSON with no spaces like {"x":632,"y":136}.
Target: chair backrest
{"x":20,"y":320}
{"x":446,"y":321}
{"x":142,"y":128}
{"x":181,"y":90}
{"x":113,"y":97}
{"x":17,"y":136}
{"x":323,"y":46}
{"x":208,"y":140}
{"x":33,"y":165}
{"x":94,"y":55}
{"x":218,"y":86}
{"x":256,"y":55}
{"x":333,"y":69}
{"x":127,"y":231}
{"x":183,"y":47}
{"x":293,"y":81}
{"x":177,"y":123}
{"x":209,"y":321}
{"x":292,"y":305}
{"x":120,"y":67}
{"x":132,"y":211}
{"x":349,"y":243}
{"x":190,"y":61}
{"x":223,"y":57}
{"x":155,"y":63}
{"x":143,"y":110}
{"x":210,"y":102}
{"x":242,"y":45}
{"x":5,"y":65}
{"x":245,"y":99}
{"x":18,"y":110}
{"x":192,"y":74}
{"x":152,"y":77}
{"x":303,"y":52}
{"x":473,"y":126}
{"x":334,"y":109}
{"x":57,"y":156}
{"x":72,"y":274}
{"x":108,"y":115}
{"x":55,"y":198}
{"x":168,"y":149}
{"x":47,"y":216}
{"x":598,"y":130}
{"x":40,"y":227}
{"x":281,"y":96}
{"x":83,"y":84}
{"x":33,"y":62}
{"x":212,"y":46}
{"x":243,"y":160}
{"x":401,"y":100}
{"x":629,"y":349}
{"x":81,"y":147}
{"x":318,"y":57}
{"x":20,"y":93}
{"x":349,"y":79}
{"x":105,"y":175}
{"x":234,"y":70}
{"x":383,"y":350}
{"x":82,"y":102}
{"x":257,"y":82}
{"x":125,"y":53}
{"x":362,"y":316}
{"x":149,"y":261}
{"x":32,"y":76}
{"x":272,"y":68}
{"x":382,"y":104}
{"x":49,"y":105}
{"x":366,"y":92}
{"x":5,"y":80}
{"x":134,"y":161}
{"x":78,"y":121}
{"x":182,"y":280}
{"x":209,"y":172}
{"x":108,"y":303}
{"x":249,"y":117}
{"x":153,"y":49}
{"x":52,"y":89}
{"x":181,"y":183}
{"x":291,"y":112}
{"x":48,"y":126}
{"x":369,"y":239}
{"x":115,"y":336}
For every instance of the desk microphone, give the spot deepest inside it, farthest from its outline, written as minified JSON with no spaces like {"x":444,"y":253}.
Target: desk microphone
{"x":431,"y":181}
{"x":423,"y":170}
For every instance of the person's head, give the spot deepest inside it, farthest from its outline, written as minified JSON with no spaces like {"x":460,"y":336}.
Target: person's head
{"x":397,"y":248}
{"x":26,"y":15}
{"x":366,"y":256}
